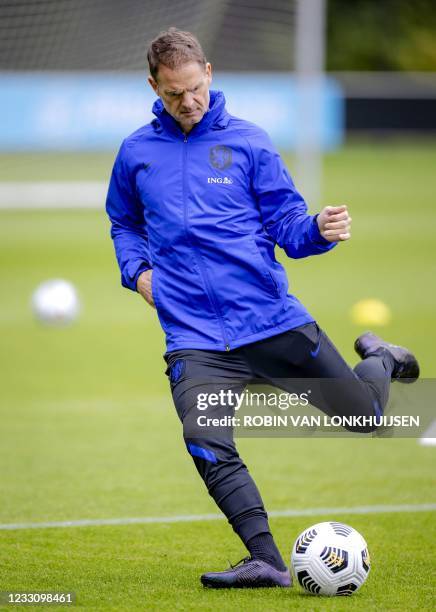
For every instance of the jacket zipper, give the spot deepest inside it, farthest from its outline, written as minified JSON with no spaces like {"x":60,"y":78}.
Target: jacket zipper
{"x":197,"y":255}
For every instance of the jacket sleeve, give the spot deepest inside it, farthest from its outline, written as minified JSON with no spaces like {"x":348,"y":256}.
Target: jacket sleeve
{"x":283,"y":210}
{"x":128,"y":227}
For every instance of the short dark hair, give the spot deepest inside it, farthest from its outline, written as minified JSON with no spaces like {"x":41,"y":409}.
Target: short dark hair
{"x":173,"y":48}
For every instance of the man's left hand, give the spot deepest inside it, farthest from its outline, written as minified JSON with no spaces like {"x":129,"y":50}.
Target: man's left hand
{"x":334,"y":223}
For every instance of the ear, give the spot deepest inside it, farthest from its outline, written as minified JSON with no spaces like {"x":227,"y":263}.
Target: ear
{"x":153,"y":84}
{"x":209,"y":72}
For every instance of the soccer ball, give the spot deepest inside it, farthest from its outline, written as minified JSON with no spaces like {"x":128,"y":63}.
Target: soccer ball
{"x":56,"y":302}
{"x":330,"y":559}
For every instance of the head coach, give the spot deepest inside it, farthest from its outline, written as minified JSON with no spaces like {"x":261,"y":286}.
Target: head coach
{"x":198,"y":200}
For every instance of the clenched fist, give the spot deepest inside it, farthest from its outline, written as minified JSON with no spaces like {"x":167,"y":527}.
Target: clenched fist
{"x":334,"y":223}
{"x":143,"y":286}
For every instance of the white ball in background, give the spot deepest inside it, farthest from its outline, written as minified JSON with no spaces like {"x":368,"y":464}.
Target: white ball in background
{"x":56,"y":302}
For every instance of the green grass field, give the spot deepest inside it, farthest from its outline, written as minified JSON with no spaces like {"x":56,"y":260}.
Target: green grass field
{"x":89,"y":431}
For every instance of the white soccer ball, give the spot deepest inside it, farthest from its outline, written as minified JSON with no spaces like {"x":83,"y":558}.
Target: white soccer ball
{"x":330,"y":559}
{"x":56,"y":302}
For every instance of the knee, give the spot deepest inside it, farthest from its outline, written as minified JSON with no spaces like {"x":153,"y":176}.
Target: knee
{"x":215,"y":460}
{"x":212,"y":451}
{"x":360,"y":423}
{"x":199,"y":450}
{"x":361,"y":429}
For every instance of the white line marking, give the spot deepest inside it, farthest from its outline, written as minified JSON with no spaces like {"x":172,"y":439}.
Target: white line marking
{"x":190,"y":518}
{"x":428,"y":438}
{"x":53,"y":194}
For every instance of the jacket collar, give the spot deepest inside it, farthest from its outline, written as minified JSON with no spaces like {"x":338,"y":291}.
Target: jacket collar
{"x":215,"y":118}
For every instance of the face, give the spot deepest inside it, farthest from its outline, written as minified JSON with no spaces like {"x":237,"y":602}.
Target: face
{"x":184,"y":92}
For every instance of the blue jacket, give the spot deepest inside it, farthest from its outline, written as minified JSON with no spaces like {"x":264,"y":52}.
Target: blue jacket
{"x":205,"y":213}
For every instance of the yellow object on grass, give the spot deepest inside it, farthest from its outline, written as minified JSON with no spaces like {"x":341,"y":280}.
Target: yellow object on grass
{"x":370,"y":312}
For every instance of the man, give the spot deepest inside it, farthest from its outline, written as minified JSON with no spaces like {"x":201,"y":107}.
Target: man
{"x":198,"y":199}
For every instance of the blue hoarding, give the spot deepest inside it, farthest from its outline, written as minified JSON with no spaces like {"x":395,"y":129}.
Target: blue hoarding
{"x":79,"y":111}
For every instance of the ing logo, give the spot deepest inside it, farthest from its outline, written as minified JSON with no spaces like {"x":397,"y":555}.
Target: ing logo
{"x":220,"y":180}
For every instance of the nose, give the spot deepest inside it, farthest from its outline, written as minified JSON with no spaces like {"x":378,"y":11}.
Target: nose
{"x":187,"y":100}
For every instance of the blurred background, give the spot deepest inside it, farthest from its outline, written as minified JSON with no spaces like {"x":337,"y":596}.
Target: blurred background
{"x":347,"y":91}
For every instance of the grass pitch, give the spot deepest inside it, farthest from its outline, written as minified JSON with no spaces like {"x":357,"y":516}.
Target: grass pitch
{"x":88,"y":428}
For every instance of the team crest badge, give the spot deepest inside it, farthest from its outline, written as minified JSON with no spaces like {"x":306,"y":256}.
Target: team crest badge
{"x":220,"y":157}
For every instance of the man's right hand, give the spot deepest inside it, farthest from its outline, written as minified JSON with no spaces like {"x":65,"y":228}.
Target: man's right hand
{"x":143,"y":286}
